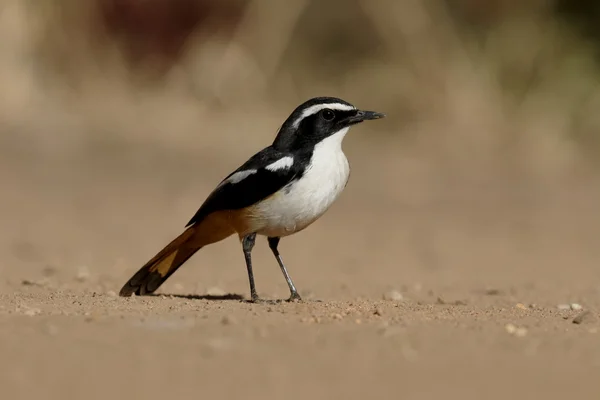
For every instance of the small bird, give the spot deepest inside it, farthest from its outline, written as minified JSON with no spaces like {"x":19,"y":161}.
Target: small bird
{"x":279,"y":191}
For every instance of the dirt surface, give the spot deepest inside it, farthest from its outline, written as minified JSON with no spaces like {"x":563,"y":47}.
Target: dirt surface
{"x":419,"y":283}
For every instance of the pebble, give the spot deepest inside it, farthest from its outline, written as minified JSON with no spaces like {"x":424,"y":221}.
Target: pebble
{"x":111,"y":293}
{"x":393,"y":295}
{"x":510,"y":328}
{"x":493,"y":292}
{"x":83,"y":274}
{"x":521,"y":306}
{"x":40,"y":282}
{"x":378,"y":312}
{"x":337,"y":316}
{"x":215,"y":291}
{"x":311,"y":320}
{"x":514,"y":330}
{"x":521,"y":332}
{"x":30,"y":312}
{"x":572,"y":306}
{"x":228,"y":320}
{"x":581,"y":317}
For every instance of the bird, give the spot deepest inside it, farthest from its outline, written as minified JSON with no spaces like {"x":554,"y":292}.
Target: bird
{"x":279,"y":191}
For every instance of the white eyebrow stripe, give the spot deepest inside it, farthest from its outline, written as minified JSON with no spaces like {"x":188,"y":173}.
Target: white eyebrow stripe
{"x":282,"y":163}
{"x":238,"y":176}
{"x":318,"y":107}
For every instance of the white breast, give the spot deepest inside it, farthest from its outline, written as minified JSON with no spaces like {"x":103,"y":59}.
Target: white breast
{"x":306,"y":199}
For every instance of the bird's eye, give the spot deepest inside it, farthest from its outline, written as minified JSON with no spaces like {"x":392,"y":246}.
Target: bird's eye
{"x":327,"y":114}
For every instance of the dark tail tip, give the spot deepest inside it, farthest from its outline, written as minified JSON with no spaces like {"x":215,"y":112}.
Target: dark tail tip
{"x":128,"y":290}
{"x":142,"y":283}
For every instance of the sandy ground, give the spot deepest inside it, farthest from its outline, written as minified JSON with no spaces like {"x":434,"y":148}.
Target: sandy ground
{"x":419,"y":283}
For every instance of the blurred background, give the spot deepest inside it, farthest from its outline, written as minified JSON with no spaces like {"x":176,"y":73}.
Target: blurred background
{"x":118,"y":117}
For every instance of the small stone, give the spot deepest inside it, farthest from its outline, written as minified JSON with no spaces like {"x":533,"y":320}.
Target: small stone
{"x":357,"y":321}
{"x":581,"y":317}
{"x":493,"y":292}
{"x":30,"y":312}
{"x":510,"y":328}
{"x":227,"y":320}
{"x":337,"y":316}
{"x":521,"y":332}
{"x":215,"y":291}
{"x":521,"y":306}
{"x":393,"y":295}
{"x":49,"y":271}
{"x":576,"y":307}
{"x":111,"y":293}
{"x":378,"y":312}
{"x":40,"y":282}
{"x":83,"y":274}
{"x":564,"y":307}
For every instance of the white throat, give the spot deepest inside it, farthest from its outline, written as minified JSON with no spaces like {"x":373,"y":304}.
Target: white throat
{"x":306,"y":199}
{"x":331,"y":144}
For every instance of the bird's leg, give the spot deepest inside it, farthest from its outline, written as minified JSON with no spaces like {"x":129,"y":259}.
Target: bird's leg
{"x":247,"y":245}
{"x":273,"y":243}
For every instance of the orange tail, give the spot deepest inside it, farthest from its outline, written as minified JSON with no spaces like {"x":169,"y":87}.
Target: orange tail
{"x":215,"y":227}
{"x":161,"y":266}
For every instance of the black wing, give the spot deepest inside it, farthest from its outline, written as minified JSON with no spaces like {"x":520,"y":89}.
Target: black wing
{"x":251,"y":189}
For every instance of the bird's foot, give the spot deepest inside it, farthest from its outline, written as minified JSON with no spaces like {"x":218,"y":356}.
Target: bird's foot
{"x":264,"y":301}
{"x":257,"y":300}
{"x":294,"y":298}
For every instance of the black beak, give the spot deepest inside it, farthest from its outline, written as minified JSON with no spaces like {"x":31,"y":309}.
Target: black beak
{"x":364,"y":116}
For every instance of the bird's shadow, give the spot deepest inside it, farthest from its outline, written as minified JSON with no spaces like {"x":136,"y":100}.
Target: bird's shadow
{"x":224,"y":297}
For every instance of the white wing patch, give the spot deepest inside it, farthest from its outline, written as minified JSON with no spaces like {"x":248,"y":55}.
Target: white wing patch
{"x":310,"y":196}
{"x":238,"y":176}
{"x":282,"y":163}
{"x":318,"y":107}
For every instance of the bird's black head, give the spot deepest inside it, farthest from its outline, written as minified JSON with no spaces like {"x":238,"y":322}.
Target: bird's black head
{"x":317,"y":119}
